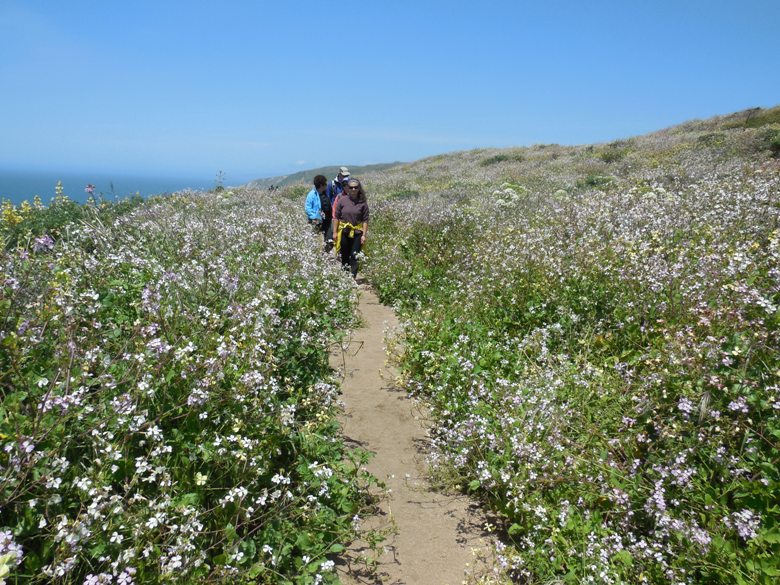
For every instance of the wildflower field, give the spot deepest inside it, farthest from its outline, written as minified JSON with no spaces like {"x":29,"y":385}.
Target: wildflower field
{"x":597,"y":332}
{"x":168,"y":413}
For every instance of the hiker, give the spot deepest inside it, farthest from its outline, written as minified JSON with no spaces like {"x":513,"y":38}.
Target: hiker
{"x":350,"y":225}
{"x":334,"y":191}
{"x":336,"y":186}
{"x":326,"y":206}
{"x":313,"y":205}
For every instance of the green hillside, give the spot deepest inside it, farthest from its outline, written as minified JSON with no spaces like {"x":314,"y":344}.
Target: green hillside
{"x":307,"y":176}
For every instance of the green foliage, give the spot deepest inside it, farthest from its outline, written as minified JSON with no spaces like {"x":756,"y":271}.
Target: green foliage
{"x":21,"y":224}
{"x":615,"y":151}
{"x":295,"y":193}
{"x":595,"y":181}
{"x":763,"y":117}
{"x":774,"y":144}
{"x":503,"y":157}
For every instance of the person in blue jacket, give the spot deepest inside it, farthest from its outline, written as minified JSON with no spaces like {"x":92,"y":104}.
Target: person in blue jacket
{"x":337,"y":185}
{"x":313,"y":206}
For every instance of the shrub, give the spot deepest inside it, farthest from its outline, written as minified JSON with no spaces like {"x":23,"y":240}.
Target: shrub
{"x":295,"y":193}
{"x":761,"y":117}
{"x":502,"y":157}
{"x":615,"y":151}
{"x":595,"y":181}
{"x":23,"y":223}
{"x":774,"y":144}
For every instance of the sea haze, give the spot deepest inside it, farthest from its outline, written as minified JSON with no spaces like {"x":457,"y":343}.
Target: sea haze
{"x":18,"y":186}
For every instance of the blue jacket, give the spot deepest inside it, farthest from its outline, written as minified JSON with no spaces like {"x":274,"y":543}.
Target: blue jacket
{"x":313,"y":207}
{"x":335,"y":188}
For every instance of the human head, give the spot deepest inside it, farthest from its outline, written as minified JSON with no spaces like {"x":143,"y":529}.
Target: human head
{"x":320,"y":183}
{"x":355,"y":190}
{"x":343,"y":173}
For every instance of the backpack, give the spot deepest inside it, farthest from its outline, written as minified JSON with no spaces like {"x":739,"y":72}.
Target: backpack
{"x":325,"y":204}
{"x":334,"y":190}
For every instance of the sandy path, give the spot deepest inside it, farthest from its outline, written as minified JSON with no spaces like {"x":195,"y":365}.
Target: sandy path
{"x":432,"y":535}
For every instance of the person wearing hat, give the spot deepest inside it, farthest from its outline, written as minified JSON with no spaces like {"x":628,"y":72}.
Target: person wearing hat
{"x":336,"y":186}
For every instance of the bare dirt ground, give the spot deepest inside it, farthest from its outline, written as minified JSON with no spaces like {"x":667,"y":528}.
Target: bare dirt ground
{"x":432,"y":538}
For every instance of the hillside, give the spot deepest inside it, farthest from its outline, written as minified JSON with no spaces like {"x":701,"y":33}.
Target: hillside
{"x":308,"y":175}
{"x":679,"y":153}
{"x":595,"y":330}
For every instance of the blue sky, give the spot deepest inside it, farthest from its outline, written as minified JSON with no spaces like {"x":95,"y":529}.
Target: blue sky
{"x":256,"y":89}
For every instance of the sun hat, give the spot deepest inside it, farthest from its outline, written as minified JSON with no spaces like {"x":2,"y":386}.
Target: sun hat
{"x":344,"y":172}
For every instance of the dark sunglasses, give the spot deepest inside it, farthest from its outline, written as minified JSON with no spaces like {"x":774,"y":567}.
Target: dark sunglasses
{"x":353,"y":187}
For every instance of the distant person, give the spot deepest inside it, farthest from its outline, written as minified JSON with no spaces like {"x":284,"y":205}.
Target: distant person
{"x":313,"y":207}
{"x":326,"y":205}
{"x":350,"y":225}
{"x":336,"y":189}
{"x":336,"y":186}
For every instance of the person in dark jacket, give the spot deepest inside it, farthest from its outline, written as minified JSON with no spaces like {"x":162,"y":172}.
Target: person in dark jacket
{"x":350,"y":225}
{"x":326,"y":207}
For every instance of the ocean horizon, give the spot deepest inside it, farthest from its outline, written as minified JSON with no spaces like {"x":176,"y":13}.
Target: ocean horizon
{"x":18,"y":186}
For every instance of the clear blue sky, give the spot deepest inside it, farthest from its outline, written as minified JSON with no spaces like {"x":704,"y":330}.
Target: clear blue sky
{"x":261,"y":88}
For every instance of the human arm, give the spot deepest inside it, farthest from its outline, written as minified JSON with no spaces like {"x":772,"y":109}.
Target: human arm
{"x":313,"y":205}
{"x":335,"y":225}
{"x":365,"y":225}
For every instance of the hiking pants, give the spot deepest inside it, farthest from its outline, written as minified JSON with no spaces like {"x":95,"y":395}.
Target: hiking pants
{"x":327,"y":233}
{"x":350,"y":248}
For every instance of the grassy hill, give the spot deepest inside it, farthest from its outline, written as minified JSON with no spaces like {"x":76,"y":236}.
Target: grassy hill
{"x":307,"y":176}
{"x":678,"y":153}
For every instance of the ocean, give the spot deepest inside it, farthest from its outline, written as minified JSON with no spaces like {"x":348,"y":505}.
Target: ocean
{"x":18,"y":186}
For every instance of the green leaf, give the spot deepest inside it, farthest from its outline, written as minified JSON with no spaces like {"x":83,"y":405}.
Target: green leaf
{"x":255,"y":570}
{"x":189,"y":499}
{"x":515,"y":529}
{"x":771,"y":537}
{"x":98,"y":549}
{"x":770,"y":571}
{"x":624,"y":558}
{"x":337,"y":548}
{"x":474,"y":485}
{"x":303,"y":541}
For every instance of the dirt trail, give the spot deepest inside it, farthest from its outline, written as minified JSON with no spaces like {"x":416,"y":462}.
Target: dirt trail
{"x":432,"y":536}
